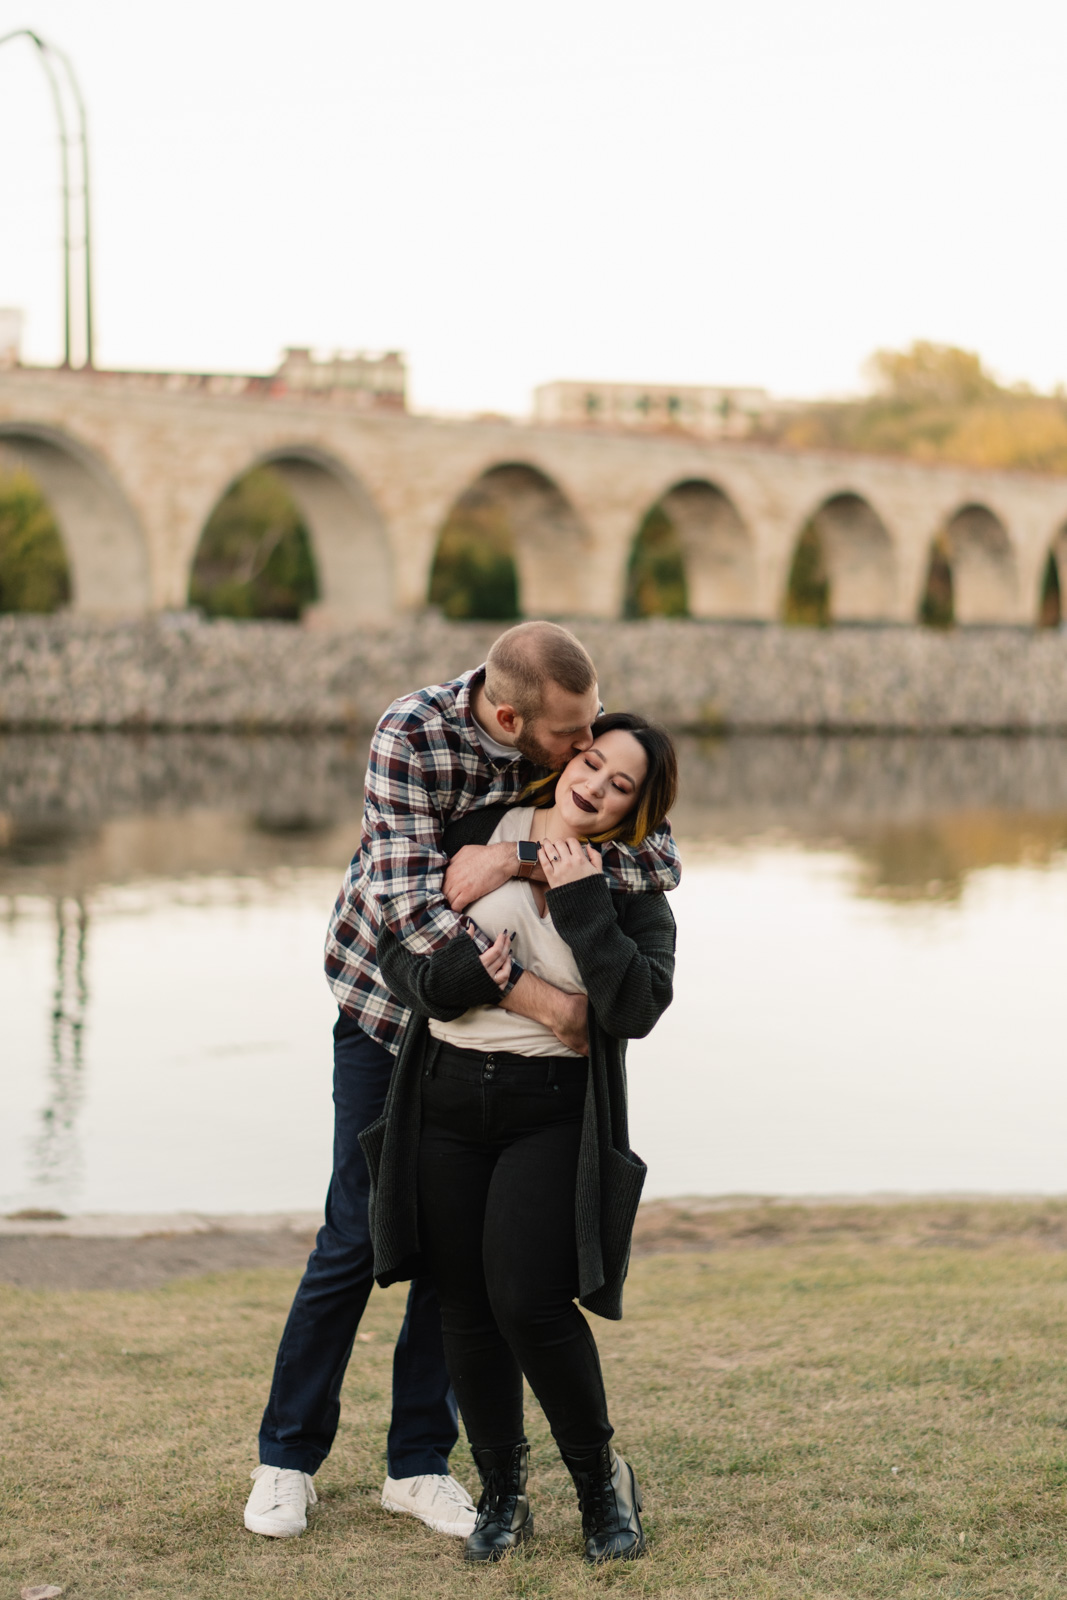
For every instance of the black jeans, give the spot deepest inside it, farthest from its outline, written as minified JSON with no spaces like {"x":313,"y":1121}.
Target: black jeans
{"x":300,"y":1421}
{"x":498,"y":1162}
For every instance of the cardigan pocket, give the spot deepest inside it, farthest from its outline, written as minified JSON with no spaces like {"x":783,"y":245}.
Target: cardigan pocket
{"x":372,"y":1142}
{"x":621,"y":1182}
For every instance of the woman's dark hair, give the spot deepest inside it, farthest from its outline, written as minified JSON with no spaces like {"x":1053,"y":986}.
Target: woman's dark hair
{"x":657,"y":792}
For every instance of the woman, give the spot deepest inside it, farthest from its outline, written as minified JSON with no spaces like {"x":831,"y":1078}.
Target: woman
{"x":502,"y":1163}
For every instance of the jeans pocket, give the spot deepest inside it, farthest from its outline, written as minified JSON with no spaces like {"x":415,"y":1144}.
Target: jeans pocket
{"x":451,"y":1103}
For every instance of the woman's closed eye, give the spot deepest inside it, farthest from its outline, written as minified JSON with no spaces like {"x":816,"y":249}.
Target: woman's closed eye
{"x":620,"y":788}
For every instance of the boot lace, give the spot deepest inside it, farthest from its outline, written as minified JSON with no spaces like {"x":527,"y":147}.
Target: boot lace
{"x":498,"y":1500}
{"x":597,"y":1505}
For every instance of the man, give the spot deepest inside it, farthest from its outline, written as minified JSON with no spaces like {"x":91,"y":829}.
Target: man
{"x":435,"y":754}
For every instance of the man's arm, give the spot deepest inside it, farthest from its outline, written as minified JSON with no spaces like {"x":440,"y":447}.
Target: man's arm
{"x":654,"y":864}
{"x":478,"y":869}
{"x":407,"y":855}
{"x":566,"y":1014}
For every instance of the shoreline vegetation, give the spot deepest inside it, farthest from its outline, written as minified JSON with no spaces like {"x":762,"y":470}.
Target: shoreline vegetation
{"x":842,"y":1401}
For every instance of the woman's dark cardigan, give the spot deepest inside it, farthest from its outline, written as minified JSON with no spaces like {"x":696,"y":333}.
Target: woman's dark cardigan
{"x":623,"y":945}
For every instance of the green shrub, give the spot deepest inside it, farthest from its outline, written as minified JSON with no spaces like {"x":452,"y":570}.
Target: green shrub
{"x":474,"y":573}
{"x":34,"y":575}
{"x":807,"y":600}
{"x":254,"y":558}
{"x":937,"y":608}
{"x":656,"y":582}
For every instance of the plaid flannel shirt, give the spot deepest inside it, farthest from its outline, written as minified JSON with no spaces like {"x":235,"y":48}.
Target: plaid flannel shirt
{"x":427,"y":767}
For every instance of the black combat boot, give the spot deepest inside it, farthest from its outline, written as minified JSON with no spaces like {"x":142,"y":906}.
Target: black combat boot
{"x":610,"y":1501}
{"x":504,"y":1521}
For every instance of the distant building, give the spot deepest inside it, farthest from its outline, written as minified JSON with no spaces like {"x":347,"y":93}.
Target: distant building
{"x":651,"y":407}
{"x":380,"y":380}
{"x":10,"y":337}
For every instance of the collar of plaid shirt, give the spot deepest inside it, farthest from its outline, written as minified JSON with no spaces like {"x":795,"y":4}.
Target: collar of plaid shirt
{"x":427,"y":766}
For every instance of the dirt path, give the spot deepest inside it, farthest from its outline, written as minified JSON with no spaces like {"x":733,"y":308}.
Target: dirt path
{"x":46,"y":1257}
{"x":58,"y":1263}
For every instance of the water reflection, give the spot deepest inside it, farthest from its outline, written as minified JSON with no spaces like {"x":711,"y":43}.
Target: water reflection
{"x":904,"y":893}
{"x":915,"y":815}
{"x":56,"y":1157}
{"x":932,"y":860}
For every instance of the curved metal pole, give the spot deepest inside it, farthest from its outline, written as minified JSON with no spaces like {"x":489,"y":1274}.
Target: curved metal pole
{"x":86,"y":207}
{"x":47,"y":53}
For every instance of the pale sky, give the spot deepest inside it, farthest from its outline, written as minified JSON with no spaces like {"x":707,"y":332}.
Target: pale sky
{"x":717,"y":191}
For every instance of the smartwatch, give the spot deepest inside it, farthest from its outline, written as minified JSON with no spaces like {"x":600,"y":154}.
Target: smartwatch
{"x":526,"y":855}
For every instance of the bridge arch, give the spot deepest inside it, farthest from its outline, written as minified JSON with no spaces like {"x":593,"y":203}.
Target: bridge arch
{"x":973,"y":562}
{"x":102,"y":537}
{"x":715,"y":549}
{"x":348,"y":536}
{"x":539,"y":529}
{"x":857,"y":556}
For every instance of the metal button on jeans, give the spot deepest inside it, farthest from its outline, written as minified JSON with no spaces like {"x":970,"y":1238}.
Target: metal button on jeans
{"x":490,"y":1067}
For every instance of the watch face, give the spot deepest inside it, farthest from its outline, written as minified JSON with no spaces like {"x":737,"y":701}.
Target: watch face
{"x":528,"y":851}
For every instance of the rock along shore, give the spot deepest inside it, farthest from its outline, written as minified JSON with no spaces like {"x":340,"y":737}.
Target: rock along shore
{"x":178,"y":671}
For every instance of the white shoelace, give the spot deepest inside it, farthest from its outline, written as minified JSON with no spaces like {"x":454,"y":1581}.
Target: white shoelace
{"x":288,"y":1491}
{"x":449,"y":1488}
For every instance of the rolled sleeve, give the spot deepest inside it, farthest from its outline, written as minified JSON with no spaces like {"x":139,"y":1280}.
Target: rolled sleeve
{"x":653,"y":864}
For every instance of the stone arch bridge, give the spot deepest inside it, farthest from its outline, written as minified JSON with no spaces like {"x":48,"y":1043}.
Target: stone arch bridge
{"x":134,"y":464}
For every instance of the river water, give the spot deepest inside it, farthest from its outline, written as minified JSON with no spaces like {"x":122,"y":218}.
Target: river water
{"x":871,"y":991}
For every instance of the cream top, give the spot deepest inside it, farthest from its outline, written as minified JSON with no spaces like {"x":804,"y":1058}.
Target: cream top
{"x":537,"y":947}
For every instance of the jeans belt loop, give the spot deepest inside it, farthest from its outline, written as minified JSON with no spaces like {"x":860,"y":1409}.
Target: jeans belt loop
{"x":433,"y":1050}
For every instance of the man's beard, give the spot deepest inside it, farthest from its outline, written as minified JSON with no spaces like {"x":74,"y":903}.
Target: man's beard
{"x":527,"y":744}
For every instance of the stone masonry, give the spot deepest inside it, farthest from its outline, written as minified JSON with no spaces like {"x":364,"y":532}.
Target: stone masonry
{"x":176,"y":671}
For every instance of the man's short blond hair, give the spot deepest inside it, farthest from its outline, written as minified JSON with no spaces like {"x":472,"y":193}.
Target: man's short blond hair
{"x":523,"y":661}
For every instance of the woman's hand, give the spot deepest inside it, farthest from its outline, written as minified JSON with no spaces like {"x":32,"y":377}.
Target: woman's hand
{"x":567,"y":860}
{"x":497,"y":960}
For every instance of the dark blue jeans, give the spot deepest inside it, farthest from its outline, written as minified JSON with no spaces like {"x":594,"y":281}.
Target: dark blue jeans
{"x":300,"y":1421}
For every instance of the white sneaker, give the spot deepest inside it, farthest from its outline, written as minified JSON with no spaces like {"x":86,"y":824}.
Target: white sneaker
{"x":436,"y":1498}
{"x":278,"y":1504}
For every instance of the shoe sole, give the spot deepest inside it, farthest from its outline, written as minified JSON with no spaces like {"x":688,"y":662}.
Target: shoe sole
{"x":254,"y":1525}
{"x":428,"y":1522}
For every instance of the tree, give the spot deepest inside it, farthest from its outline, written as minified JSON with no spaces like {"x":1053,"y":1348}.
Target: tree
{"x":254,"y":557}
{"x":34,"y":575}
{"x":937,"y":609}
{"x":931,"y":374}
{"x":935,"y":402}
{"x":807,"y":600}
{"x":474,"y":575}
{"x":656,"y":582}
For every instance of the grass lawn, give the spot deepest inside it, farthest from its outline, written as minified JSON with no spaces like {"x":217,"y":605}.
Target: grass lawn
{"x":840,"y":1415}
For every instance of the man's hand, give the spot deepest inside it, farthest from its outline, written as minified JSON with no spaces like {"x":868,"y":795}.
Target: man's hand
{"x":571,"y":1025}
{"x":478,"y":869}
{"x":566,"y":1014}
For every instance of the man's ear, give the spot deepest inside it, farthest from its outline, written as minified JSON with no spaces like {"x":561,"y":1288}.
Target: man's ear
{"x":508,"y":719}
